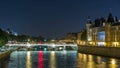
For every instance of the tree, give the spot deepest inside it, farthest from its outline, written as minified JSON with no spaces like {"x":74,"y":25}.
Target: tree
{"x":84,"y":36}
{"x":3,"y":38}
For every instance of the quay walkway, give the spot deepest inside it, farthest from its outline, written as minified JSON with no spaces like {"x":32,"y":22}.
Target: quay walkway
{"x":100,"y":50}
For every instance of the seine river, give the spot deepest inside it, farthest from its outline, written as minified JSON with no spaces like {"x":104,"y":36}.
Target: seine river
{"x":58,"y":59}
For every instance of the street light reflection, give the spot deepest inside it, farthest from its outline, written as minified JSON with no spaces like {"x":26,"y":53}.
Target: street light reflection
{"x":99,"y":60}
{"x":52,"y":60}
{"x":91,"y":63}
{"x":40,"y":60}
{"x":113,"y":63}
{"x":84,"y":58}
{"x":81,"y":61}
{"x":100,"y":63}
{"x":28,"y":60}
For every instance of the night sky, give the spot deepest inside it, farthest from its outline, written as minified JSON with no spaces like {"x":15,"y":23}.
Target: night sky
{"x":53,"y":18}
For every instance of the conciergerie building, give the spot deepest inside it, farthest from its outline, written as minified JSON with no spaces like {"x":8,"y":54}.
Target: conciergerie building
{"x":103,"y":32}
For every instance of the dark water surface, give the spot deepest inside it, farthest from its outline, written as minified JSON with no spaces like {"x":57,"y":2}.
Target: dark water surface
{"x":58,"y":59}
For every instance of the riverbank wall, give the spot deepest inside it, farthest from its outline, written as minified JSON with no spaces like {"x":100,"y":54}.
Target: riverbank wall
{"x":5,"y":54}
{"x":101,"y":51}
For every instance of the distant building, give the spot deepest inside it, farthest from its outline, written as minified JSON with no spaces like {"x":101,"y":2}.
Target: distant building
{"x":9,"y":31}
{"x":71,"y":37}
{"x":103,"y":32}
{"x":81,"y":37}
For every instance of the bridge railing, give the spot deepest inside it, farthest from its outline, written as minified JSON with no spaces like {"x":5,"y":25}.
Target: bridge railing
{"x":41,"y":44}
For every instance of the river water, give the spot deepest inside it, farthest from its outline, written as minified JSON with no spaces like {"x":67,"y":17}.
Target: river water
{"x":58,"y":59}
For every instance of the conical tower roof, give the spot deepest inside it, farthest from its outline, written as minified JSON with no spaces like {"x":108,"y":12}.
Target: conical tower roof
{"x":110,"y":18}
{"x":89,"y":20}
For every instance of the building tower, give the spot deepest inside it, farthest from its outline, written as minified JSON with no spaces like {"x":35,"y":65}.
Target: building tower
{"x":109,"y":22}
{"x":89,"y":31}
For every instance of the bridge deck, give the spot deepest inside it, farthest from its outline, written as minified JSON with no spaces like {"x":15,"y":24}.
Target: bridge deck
{"x":41,"y":44}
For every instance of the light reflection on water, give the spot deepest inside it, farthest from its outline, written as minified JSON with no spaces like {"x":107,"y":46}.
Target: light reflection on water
{"x":90,"y":61}
{"x":28,"y":60}
{"x":52,"y":60}
{"x":60,"y":59}
{"x":113,"y":63}
{"x":40,"y":60}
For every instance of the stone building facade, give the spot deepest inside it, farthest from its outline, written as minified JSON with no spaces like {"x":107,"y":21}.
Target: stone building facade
{"x":103,"y":32}
{"x":81,"y":37}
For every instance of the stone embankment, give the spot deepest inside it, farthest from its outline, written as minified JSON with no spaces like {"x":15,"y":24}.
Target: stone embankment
{"x":99,"y":50}
{"x":5,"y":54}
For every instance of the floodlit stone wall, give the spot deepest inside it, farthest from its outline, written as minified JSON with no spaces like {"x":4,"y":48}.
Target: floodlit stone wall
{"x":100,"y":50}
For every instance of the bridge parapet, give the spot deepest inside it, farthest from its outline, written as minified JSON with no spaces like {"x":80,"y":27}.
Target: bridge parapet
{"x":41,"y":44}
{"x":47,"y":46}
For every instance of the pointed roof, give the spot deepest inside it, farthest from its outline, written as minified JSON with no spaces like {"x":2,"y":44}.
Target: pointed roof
{"x":89,"y":20}
{"x":110,"y":18}
{"x":116,"y":19}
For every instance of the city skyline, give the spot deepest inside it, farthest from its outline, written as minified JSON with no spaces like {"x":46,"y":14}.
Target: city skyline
{"x":53,"y":18}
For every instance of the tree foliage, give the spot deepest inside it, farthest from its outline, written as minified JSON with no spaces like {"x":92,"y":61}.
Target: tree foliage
{"x":84,"y":36}
{"x":8,"y":36}
{"x":3,"y":38}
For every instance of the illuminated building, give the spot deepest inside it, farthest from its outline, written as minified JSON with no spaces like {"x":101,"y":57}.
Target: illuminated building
{"x":103,"y":32}
{"x":81,"y":37}
{"x":71,"y":37}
